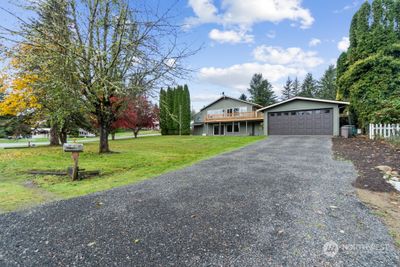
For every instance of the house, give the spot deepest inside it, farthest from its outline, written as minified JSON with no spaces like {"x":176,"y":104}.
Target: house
{"x":229,"y":116}
{"x":40,"y":133}
{"x":84,"y":133}
{"x":296,"y":116}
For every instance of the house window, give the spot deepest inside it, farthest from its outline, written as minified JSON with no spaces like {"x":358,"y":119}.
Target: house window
{"x":236,"y":127}
{"x":272,"y":114}
{"x":327,"y":111}
{"x":278,"y":114}
{"x":233,"y":127}
{"x":286,"y":113}
{"x":293,"y":113}
{"x":216,"y":129}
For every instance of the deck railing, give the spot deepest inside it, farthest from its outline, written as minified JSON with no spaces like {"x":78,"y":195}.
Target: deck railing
{"x":253,"y":115}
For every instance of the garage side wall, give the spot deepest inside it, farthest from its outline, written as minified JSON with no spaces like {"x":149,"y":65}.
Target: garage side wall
{"x":298,"y":105}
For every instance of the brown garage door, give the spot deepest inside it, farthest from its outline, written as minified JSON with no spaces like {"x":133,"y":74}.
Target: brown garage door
{"x":304,"y":122}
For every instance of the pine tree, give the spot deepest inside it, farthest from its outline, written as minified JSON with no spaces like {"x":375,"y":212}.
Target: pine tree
{"x":170,"y":111}
{"x":342,"y":66}
{"x":287,"y":89}
{"x":187,"y":111}
{"x":308,"y":88}
{"x":296,"y":88}
{"x":163,"y":113}
{"x":261,"y":91}
{"x":327,"y":84}
{"x":177,"y":110}
{"x":243,"y":97}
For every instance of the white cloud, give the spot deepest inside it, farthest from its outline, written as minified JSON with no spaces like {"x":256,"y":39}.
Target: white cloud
{"x":205,"y":12}
{"x":275,"y":63}
{"x":237,"y":77}
{"x":352,"y":5}
{"x":344,"y":44}
{"x":314,"y":42}
{"x":292,"y":56}
{"x":204,"y":97}
{"x":246,"y":13}
{"x":232,"y":37}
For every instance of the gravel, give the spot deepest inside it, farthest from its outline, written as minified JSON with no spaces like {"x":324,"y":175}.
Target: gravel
{"x":275,"y":202}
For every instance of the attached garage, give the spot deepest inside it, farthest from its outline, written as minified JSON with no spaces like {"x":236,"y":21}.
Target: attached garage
{"x":303,"y":116}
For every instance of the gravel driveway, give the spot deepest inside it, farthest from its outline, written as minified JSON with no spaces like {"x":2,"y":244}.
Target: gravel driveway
{"x":275,"y":202}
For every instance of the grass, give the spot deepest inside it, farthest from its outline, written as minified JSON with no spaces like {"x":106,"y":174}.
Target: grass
{"x":136,"y":160}
{"x":36,"y":140}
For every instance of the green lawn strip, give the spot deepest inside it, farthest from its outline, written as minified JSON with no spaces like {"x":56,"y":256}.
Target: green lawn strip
{"x":38,"y":140}
{"x":135,"y":160}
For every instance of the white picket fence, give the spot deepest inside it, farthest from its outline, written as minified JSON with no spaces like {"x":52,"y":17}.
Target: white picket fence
{"x":383,"y":130}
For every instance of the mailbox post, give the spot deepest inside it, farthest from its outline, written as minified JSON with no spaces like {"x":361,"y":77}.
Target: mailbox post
{"x":75,"y":149}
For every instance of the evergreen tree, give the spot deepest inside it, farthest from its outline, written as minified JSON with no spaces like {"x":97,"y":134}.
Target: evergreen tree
{"x":309,"y":87}
{"x":170,"y":111}
{"x":163,"y":113}
{"x":296,"y":88}
{"x":186,"y":111}
{"x":327,"y":84}
{"x":368,"y":75}
{"x":287,"y":89}
{"x":243,"y":97}
{"x":177,"y":110}
{"x":342,"y":66}
{"x":175,"y":114}
{"x":261,"y":91}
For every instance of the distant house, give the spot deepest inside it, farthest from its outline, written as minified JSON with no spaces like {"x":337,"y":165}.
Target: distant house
{"x":229,"y":116}
{"x":40,"y":133}
{"x":296,"y":116}
{"x":84,"y":133}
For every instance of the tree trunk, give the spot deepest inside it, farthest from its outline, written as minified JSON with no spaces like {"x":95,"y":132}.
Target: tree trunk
{"x":63,"y":137}
{"x":104,"y":147}
{"x":113,"y":136}
{"x":135,"y":133}
{"x":54,"y":140}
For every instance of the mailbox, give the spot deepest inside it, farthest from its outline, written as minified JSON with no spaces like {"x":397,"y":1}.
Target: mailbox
{"x":73,"y":147}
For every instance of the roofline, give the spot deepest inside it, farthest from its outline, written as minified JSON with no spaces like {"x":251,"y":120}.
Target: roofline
{"x":306,"y":99}
{"x":225,"y":96}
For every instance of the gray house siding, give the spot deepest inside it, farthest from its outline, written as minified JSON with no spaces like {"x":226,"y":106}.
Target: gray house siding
{"x":253,"y":128}
{"x":222,"y":104}
{"x":299,"y":105}
{"x":202,"y":128}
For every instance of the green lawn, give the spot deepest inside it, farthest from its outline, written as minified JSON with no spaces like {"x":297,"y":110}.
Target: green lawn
{"x":136,"y":160}
{"x":121,"y":134}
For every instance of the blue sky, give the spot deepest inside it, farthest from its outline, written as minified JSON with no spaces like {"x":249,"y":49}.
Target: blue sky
{"x":277,"y":38}
{"x":242,"y":37}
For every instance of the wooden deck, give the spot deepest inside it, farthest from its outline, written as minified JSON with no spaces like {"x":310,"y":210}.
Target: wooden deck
{"x":236,"y":116}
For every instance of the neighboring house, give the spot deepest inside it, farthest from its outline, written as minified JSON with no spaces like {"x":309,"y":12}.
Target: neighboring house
{"x":84,"y":133}
{"x":296,"y":116}
{"x":40,"y":133}
{"x":229,"y":116}
{"x":303,"y":116}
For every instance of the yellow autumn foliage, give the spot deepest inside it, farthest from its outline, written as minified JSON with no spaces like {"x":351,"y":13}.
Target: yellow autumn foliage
{"x":19,"y":95}
{"x":18,"y":90}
